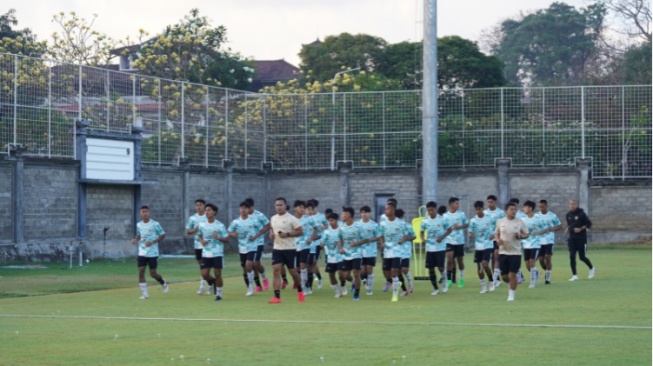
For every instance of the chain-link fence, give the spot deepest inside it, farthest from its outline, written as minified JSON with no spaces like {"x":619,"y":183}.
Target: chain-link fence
{"x":41,"y":100}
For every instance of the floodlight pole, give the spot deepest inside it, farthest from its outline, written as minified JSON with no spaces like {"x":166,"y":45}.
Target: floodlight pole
{"x":430,"y":103}
{"x":333,"y":121}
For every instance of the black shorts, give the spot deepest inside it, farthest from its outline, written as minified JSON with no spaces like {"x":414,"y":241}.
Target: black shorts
{"x":332,"y":267}
{"x":284,"y":257}
{"x":457,"y":249}
{"x":435,"y":259}
{"x":352,"y":264}
{"x":259,"y":253}
{"x":530,"y":254}
{"x":198,"y":254}
{"x":369,"y":261}
{"x":249,"y":256}
{"x":302,"y":256}
{"x":215,"y":262}
{"x":311,"y":259}
{"x":509,"y":263}
{"x":496,"y":246}
{"x":148,"y":261}
{"x":391,"y":263}
{"x":483,"y":255}
{"x":318,"y":251}
{"x":546,"y":249}
{"x":405,"y":262}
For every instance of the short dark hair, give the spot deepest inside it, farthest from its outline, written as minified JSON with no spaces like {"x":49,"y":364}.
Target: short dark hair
{"x":200,"y":201}
{"x":491,"y":197}
{"x":391,"y":205}
{"x":250,"y":200}
{"x":313,"y":202}
{"x":245,"y":204}
{"x":309,"y":204}
{"x":399,"y":213}
{"x":212,"y":207}
{"x":350,"y":210}
{"x":328,"y":211}
{"x":453,"y":199}
{"x":509,"y":204}
{"x":366,"y":209}
{"x":392,"y":200}
{"x":544,"y":202}
{"x":281,"y":199}
{"x":299,"y":203}
{"x":430,"y":204}
{"x":530,"y":204}
{"x":478,"y":204}
{"x":332,"y":216}
{"x":514,"y":200}
{"x":144,"y":208}
{"x":442,"y":210}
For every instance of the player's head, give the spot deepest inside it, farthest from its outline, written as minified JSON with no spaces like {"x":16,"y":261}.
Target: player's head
{"x":280,"y":205}
{"x":442,"y":210}
{"x":199,"y":206}
{"x":529,"y":206}
{"x":543,"y":206}
{"x":366,"y":213}
{"x":478,"y":208}
{"x":313,"y":202}
{"x":511,"y":209}
{"x":144,"y":212}
{"x":432,"y":208}
{"x":573,"y":205}
{"x":299,"y":206}
{"x":347,"y":213}
{"x":491,"y":202}
{"x":400,"y":213}
{"x":333,"y":219}
{"x":392,"y":200}
{"x":454,"y":203}
{"x":310,"y":209}
{"x":211,"y":210}
{"x":328,"y":211}
{"x":244,"y":208}
{"x":390,"y":210}
{"x":514,"y":200}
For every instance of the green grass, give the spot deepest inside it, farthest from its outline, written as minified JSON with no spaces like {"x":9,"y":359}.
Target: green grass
{"x":47,"y":321}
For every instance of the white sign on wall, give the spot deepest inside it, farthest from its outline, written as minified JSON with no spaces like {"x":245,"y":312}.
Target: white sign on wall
{"x":109,"y":159}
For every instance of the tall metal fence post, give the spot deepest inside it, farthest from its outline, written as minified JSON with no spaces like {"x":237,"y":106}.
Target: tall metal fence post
{"x":16,"y":63}
{"x":344,"y":126}
{"x":543,"y":128}
{"x":623,"y":134}
{"x":265,"y":130}
{"x":384,"y":130}
{"x":306,"y":132}
{"x":108,"y":85}
{"x":183,"y":121}
{"x":206,"y":128}
{"x":134,"y":101}
{"x":582,"y":121}
{"x":246,"y":132}
{"x":159,"y":99}
{"x":50,"y":112}
{"x":502,"y":126}
{"x":226,"y":125}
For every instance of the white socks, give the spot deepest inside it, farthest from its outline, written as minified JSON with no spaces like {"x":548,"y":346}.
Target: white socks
{"x":370,"y":282}
{"x":395,"y":286}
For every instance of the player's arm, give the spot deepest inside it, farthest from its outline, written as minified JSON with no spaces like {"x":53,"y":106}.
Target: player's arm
{"x":313,"y":236}
{"x":190,"y":230}
{"x":263,"y":230}
{"x":156,"y":241}
{"x":224,"y":239}
{"x":136,"y":239}
{"x":340,"y":248}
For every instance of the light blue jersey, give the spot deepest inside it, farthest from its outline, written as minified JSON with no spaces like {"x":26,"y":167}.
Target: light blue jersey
{"x":330,"y":241}
{"x":457,"y":237}
{"x":308,"y":225}
{"x":369,"y":229}
{"x":246,"y":229}
{"x":407,"y":246}
{"x":482,"y":228}
{"x":434,"y":228}
{"x":495,"y":215}
{"x":392,"y":232}
{"x":320,"y":222}
{"x":551,"y":221}
{"x":349,"y":234}
{"x":262,"y":220}
{"x":534,"y":223}
{"x":193,"y":222}
{"x":214,"y":247}
{"x":520,"y":214}
{"x":148,"y":232}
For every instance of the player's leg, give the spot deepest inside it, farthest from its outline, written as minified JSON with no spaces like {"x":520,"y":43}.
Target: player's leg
{"x":142,"y":263}
{"x":217,"y":271}
{"x":513,"y":267}
{"x":394,"y":273}
{"x":573,"y":249}
{"x":495,"y":265}
{"x":450,"y":263}
{"x":198,"y":258}
{"x":290,"y":264}
{"x":153,"y":263}
{"x":459,"y":253}
{"x":277,"y":267}
{"x":582,"y":250}
{"x":356,"y":268}
{"x":386,"y":267}
{"x":485,"y":265}
{"x":249,"y":268}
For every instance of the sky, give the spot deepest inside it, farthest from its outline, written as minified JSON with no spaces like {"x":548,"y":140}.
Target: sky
{"x":276,"y":29}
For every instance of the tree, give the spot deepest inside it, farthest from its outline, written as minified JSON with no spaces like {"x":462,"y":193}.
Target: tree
{"x":636,"y":14}
{"x":551,"y":46}
{"x":18,"y":41}
{"x":403,"y":62}
{"x":78,"y":43}
{"x":327,"y":58}
{"x":191,"y":50}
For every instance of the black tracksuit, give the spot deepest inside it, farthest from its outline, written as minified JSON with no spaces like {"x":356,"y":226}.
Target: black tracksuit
{"x":577,"y":242}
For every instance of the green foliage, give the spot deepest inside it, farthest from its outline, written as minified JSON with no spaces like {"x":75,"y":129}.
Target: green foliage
{"x":636,"y":65}
{"x":18,"y":41}
{"x":191,"y":50}
{"x":551,"y":46}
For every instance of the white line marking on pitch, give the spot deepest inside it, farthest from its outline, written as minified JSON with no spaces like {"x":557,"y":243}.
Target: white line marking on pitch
{"x":506,"y":325}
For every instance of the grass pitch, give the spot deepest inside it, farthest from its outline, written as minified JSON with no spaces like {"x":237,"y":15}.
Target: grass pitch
{"x":92,"y":315}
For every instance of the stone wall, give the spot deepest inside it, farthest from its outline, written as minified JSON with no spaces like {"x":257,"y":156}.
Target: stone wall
{"x":6,"y":214}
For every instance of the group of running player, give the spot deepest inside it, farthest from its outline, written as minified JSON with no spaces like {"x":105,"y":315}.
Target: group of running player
{"x":351,"y":247}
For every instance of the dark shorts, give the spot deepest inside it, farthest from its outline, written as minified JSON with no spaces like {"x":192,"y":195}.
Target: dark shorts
{"x":509,"y":263}
{"x":311,"y":259}
{"x":198,"y":254}
{"x":284,"y":257}
{"x":391,"y":263}
{"x":457,"y":249}
{"x":148,"y":261}
{"x":483,"y":255}
{"x":332,"y":267}
{"x":435,"y":259}
{"x":369,"y":261}
{"x":546,"y":249}
{"x":259,"y":253}
{"x":405,"y":262}
{"x":496,"y":246}
{"x":249,"y":256}
{"x":531,"y":254}
{"x":353,"y":264}
{"x":318,"y":251}
{"x":302,"y":256}
{"x":215,"y":262}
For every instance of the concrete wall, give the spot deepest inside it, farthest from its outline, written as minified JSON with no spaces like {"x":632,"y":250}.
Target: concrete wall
{"x":620,"y":212}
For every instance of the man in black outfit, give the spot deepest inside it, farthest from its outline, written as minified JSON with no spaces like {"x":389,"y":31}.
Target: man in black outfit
{"x":577,"y":225}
